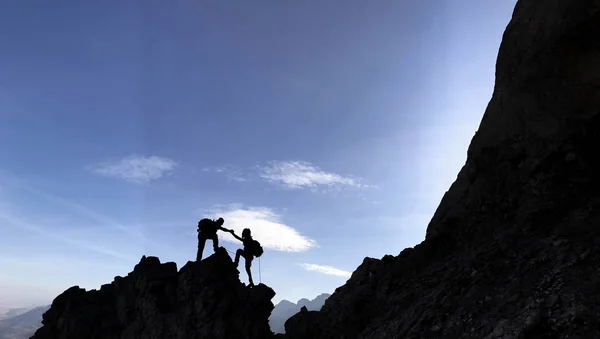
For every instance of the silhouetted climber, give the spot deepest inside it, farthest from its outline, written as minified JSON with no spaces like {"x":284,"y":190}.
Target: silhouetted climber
{"x":252,"y":248}
{"x":207,"y":229}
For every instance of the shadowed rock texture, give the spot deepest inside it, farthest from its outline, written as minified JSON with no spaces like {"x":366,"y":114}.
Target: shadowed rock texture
{"x":514,"y":247}
{"x":202,"y":300}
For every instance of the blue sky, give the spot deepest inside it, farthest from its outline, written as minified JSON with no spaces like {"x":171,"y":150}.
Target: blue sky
{"x":330,"y":128}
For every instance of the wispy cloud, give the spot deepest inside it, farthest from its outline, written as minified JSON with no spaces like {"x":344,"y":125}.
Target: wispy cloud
{"x":87,"y":237}
{"x":329,"y":270}
{"x":134,"y":231}
{"x":266,"y":227}
{"x":230,"y":172}
{"x":135,"y":168}
{"x":302,"y":174}
{"x":291,"y":175}
{"x":54,"y":260}
{"x":90,"y":245}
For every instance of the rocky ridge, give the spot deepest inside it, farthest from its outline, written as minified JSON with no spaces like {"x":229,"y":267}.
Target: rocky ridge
{"x":202,"y":300}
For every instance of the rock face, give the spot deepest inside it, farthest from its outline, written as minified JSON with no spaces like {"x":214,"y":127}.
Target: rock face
{"x":514,"y":247}
{"x":203,"y":300}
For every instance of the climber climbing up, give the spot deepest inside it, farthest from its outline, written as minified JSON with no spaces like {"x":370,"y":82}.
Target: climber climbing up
{"x":252,"y":248}
{"x":207,"y":229}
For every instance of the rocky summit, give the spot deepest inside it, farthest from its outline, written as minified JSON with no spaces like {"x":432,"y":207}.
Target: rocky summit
{"x":513,"y":250}
{"x":203,"y":300}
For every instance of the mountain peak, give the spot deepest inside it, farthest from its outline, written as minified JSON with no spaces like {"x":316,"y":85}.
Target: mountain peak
{"x":303,"y":301}
{"x":203,"y":300}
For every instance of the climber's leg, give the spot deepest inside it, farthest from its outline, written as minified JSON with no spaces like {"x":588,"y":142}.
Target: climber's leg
{"x":215,"y":243}
{"x":249,"y":271}
{"x":238,"y":253}
{"x":201,"y":242}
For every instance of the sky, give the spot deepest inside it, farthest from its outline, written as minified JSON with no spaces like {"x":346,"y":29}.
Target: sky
{"x":331,"y":129}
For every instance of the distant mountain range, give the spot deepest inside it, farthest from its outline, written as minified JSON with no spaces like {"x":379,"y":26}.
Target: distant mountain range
{"x":6,"y":312}
{"x":285,"y":309}
{"x":21,"y":323}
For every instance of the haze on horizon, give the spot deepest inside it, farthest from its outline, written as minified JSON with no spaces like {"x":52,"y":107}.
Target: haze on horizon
{"x":332,"y":129}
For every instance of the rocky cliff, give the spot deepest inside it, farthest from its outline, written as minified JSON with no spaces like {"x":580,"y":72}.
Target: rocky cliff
{"x":513,"y":249}
{"x":203,"y":300}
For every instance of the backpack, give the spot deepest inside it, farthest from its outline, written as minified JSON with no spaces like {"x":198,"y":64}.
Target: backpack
{"x":207,"y":227}
{"x":257,"y":248}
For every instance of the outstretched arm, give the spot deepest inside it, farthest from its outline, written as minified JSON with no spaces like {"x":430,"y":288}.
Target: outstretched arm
{"x":224,"y":229}
{"x":236,"y":236}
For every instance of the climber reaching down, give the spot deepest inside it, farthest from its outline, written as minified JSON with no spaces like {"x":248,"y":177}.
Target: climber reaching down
{"x":252,"y":248}
{"x":207,"y":229}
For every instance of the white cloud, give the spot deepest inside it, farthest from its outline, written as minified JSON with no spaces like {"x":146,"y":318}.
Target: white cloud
{"x":329,"y":270}
{"x":266,"y":227}
{"x":292,"y":175}
{"x":136,"y":169}
{"x":301,"y":174}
